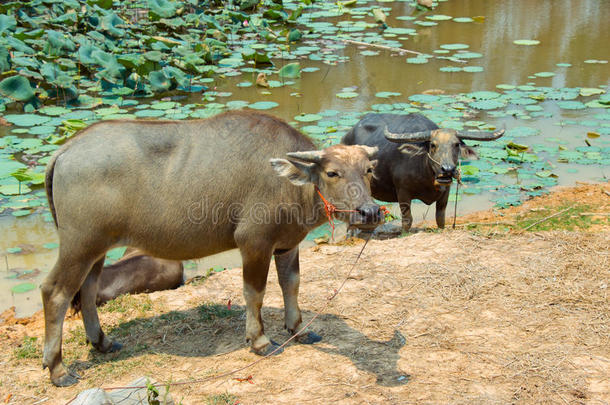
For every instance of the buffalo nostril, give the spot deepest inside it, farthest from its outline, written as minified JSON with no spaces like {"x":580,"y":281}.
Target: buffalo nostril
{"x":448,"y":168}
{"x":370,"y":212}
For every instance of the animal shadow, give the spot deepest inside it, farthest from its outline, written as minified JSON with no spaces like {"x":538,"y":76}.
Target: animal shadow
{"x":212,"y":329}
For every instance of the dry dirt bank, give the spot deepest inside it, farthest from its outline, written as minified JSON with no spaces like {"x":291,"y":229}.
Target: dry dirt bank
{"x":444,"y":317}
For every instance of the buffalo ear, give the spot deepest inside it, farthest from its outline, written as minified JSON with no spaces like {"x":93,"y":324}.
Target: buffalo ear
{"x":371,"y":151}
{"x":467,"y":153}
{"x":412,"y":149}
{"x":298,"y":173}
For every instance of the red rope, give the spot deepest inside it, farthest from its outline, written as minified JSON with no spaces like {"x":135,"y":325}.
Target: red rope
{"x":330,"y":209}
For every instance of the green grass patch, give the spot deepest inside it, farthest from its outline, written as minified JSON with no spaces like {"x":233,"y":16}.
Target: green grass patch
{"x":210,"y":312}
{"x":28,"y":349}
{"x":127,"y":303}
{"x":221,"y":399}
{"x":567,"y":217}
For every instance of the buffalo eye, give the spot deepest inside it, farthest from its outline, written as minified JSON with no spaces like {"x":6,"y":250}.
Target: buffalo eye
{"x":433,"y":146}
{"x":369,"y":170}
{"x":332,"y":174}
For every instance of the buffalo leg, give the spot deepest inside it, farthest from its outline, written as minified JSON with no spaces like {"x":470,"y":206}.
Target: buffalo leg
{"x":88,"y":293}
{"x":405,"y":210}
{"x":441,"y":205}
{"x":287,"y":266}
{"x":256,"y":268}
{"x":57,"y":290}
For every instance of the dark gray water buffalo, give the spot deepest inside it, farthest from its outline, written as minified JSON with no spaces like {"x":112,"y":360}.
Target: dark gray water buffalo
{"x":189,"y":189}
{"x":135,"y":273}
{"x":417,"y":159}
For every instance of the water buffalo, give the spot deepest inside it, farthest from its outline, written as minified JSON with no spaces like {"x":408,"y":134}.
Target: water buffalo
{"x":417,"y":159}
{"x":135,"y":273}
{"x":180,"y":190}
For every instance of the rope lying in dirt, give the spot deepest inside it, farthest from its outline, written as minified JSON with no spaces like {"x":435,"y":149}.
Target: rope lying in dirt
{"x":280,"y":347}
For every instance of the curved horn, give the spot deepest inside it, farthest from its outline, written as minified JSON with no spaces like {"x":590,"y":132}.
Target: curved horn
{"x":406,"y":137}
{"x":312,"y":156}
{"x":481,"y":135}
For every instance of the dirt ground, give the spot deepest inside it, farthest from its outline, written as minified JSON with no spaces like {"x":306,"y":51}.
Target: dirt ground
{"x":457,"y":317}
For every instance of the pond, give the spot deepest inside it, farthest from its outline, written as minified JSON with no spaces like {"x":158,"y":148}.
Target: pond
{"x":538,"y":69}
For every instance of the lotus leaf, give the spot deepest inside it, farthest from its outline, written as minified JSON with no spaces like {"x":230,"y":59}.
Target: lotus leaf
{"x":16,"y":88}
{"x":526,"y":42}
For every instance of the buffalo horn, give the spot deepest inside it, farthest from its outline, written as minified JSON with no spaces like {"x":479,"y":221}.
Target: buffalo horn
{"x":407,"y":137}
{"x":312,"y":156}
{"x":481,"y":135}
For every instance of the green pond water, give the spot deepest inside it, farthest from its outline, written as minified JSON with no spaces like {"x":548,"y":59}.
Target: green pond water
{"x":551,"y":97}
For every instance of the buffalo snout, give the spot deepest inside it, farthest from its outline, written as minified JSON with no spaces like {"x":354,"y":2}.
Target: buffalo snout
{"x":448,"y":169}
{"x":367,"y":216}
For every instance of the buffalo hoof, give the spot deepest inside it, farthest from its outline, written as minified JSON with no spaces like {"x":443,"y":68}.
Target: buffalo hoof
{"x":114,"y":347}
{"x":268,"y":350}
{"x":66,"y":380}
{"x":309,"y":338}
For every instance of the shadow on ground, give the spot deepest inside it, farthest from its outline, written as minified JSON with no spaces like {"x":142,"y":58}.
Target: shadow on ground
{"x":210,"y":330}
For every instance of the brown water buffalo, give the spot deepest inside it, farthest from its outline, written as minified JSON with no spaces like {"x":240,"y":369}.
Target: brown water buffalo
{"x":135,"y":273}
{"x":180,"y":190}
{"x":417,"y":159}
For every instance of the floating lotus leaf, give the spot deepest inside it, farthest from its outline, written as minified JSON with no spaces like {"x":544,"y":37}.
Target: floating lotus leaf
{"x":591,"y":61}
{"x":23,"y":288}
{"x":450,"y":69}
{"x":483,"y":95}
{"x":571,"y":105}
{"x":463,"y":19}
{"x":263,"y":105}
{"x":468,"y":55}
{"x":439,"y":17}
{"x":164,"y":105}
{"x":14,"y":189}
{"x":586,"y":92}
{"x":563,"y":64}
{"x":544,"y":74}
{"x":526,"y":42}
{"x":307,"y":117}
{"x":26,"y":120}
{"x":418,"y":60}
{"x":387,"y":94}
{"x":426,"y":23}
{"x":347,"y":94}
{"x":487,"y":104}
{"x":454,"y":46}
{"x":16,"y":88}
{"x":149,"y":113}
{"x":472,"y":69}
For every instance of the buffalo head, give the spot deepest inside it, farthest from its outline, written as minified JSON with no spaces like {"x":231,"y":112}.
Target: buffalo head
{"x":342,"y":174}
{"x":443,"y":147}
